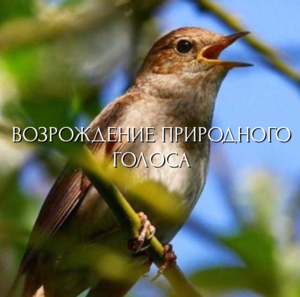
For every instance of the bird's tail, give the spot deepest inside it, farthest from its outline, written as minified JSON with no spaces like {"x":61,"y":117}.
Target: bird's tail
{"x":14,"y":286}
{"x":32,"y":286}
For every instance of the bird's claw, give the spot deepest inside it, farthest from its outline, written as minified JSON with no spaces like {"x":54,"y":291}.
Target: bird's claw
{"x":170,"y":259}
{"x":146,"y":233}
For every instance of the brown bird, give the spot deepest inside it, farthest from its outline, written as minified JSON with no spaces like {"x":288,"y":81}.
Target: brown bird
{"x":77,"y":243}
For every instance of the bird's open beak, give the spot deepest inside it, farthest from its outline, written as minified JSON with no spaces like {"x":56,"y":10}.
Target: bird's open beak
{"x":211,"y":52}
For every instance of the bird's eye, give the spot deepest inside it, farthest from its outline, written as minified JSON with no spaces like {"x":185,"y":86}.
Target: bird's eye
{"x":184,"y":46}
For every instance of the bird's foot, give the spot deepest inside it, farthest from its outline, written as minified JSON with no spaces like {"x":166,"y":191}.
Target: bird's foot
{"x":170,"y":259}
{"x":146,"y":233}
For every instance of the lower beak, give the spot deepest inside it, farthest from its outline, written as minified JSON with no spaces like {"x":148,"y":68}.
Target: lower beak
{"x":211,"y":52}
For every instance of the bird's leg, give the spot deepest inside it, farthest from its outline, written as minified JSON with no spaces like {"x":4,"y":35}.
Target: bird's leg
{"x":146,"y":232}
{"x":146,"y":226}
{"x":170,"y":259}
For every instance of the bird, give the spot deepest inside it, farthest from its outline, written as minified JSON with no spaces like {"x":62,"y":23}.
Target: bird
{"x":77,"y":243}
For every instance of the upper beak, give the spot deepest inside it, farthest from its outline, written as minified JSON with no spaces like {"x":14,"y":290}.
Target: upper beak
{"x":211,"y":52}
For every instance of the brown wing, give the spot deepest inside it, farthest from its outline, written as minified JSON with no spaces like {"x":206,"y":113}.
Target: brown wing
{"x":69,"y":189}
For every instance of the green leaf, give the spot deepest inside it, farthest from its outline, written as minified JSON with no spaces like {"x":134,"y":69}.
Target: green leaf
{"x":226,"y":279}
{"x":223,"y":279}
{"x":255,"y":247}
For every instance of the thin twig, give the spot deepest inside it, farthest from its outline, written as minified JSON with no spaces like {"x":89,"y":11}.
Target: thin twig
{"x":5,"y":130}
{"x":130,"y":220}
{"x":272,"y":58}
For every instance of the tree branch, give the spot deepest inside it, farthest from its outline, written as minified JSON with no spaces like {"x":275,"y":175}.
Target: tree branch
{"x":128,"y":218}
{"x":28,"y":31}
{"x":80,"y":18}
{"x":270,"y":56}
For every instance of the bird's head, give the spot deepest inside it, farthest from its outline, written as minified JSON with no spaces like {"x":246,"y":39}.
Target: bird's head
{"x":187,"y":59}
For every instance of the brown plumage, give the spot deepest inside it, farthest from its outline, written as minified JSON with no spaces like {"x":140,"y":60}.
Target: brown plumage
{"x":75,"y":232}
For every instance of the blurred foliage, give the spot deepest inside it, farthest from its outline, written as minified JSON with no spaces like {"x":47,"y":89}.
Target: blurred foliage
{"x":13,"y":9}
{"x":52,"y":70}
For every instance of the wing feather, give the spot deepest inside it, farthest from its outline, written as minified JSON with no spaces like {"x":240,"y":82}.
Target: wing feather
{"x":71,"y":186}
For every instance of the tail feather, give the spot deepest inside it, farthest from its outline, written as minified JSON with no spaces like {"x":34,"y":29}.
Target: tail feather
{"x":32,"y":286}
{"x":14,"y":286}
